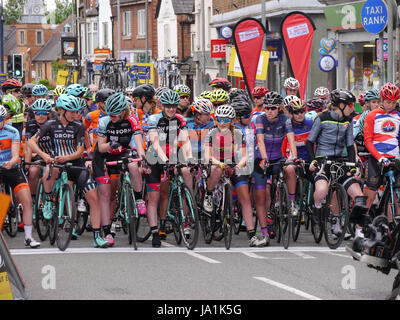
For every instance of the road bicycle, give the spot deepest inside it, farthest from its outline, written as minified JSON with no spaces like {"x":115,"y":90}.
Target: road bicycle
{"x":70,"y":78}
{"x":126,"y":203}
{"x":182,"y":208}
{"x":113,"y":74}
{"x":170,"y":72}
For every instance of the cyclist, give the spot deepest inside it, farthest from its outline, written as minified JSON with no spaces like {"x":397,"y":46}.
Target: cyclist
{"x":67,"y":138}
{"x":40,"y":91}
{"x":58,"y":91}
{"x":291,"y":86}
{"x":75,"y":90}
{"x":13,"y":106}
{"x":166,"y":129}
{"x":314,"y":107}
{"x":184,"y":93}
{"x":286,"y":101}
{"x":26,"y":91}
{"x":219,"y":97}
{"x":331,"y":133}
{"x":14,"y":176}
{"x":271,"y":128}
{"x":157,"y":95}
{"x":220,"y":83}
{"x":88,"y":97}
{"x":42,"y":113}
{"x":205,"y":95}
{"x":361,"y":101}
{"x":258,"y":95}
{"x":322,"y":93}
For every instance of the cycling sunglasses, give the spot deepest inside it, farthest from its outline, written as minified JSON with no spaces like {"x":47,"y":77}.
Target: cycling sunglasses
{"x":223,"y":120}
{"x":184,"y":97}
{"x":271,"y":108}
{"x":246,"y":116}
{"x":41,"y":113}
{"x":28,"y":95}
{"x":299,"y":111}
{"x":170,"y":106}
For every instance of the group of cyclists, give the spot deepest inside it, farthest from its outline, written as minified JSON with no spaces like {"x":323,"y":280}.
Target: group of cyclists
{"x":223,"y":127}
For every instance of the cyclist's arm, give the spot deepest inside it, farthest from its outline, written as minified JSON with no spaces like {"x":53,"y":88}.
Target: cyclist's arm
{"x":156,"y":145}
{"x":312,"y":137}
{"x":33,"y":145}
{"x":187,"y":147}
{"x":15,"y":155}
{"x":139,"y":145}
{"x":261,"y":146}
{"x":103,"y":145}
{"x":292,"y":144}
{"x":351,"y":150}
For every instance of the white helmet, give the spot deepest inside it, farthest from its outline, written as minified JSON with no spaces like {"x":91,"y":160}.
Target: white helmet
{"x":288,"y":100}
{"x":129,"y":90}
{"x":3,"y":111}
{"x":321,"y":92}
{"x":291,"y":83}
{"x":225,"y":111}
{"x":202,"y":106}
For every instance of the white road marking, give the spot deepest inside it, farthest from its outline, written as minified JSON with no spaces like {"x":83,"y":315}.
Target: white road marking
{"x":339,"y":255}
{"x":254,"y":255}
{"x":287,"y":288}
{"x":201,"y":257}
{"x":302,"y":255}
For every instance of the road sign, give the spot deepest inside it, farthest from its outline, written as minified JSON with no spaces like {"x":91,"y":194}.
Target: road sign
{"x":143,"y":72}
{"x":374,"y":16}
{"x":3,"y":77}
{"x":101,"y":55}
{"x":218,"y":48}
{"x":275,"y":50}
{"x":327,"y":63}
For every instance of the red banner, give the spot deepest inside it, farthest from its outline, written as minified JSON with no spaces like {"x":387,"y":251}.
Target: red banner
{"x":297,"y":32}
{"x":248,"y":37}
{"x":218,"y":48}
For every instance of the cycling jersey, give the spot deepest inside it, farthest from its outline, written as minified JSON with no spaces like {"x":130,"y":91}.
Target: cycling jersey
{"x":356,"y":118}
{"x":311,"y":115}
{"x":301,"y":133}
{"x":331,"y":134}
{"x":64,"y":139}
{"x":197,"y":135}
{"x":44,"y":143}
{"x":274,"y":133}
{"x":381,"y":133}
{"x":168,"y":131}
{"x":8,"y":136}
{"x":121,"y":131}
{"x":144,"y":124}
{"x":92,"y":120}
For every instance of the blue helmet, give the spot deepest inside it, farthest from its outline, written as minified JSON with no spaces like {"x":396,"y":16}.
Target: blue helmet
{"x":75,"y":90}
{"x":68,"y":102}
{"x":169,"y":97}
{"x":39,"y":90}
{"x":42,"y":105}
{"x":371,"y":95}
{"x":116,"y":104}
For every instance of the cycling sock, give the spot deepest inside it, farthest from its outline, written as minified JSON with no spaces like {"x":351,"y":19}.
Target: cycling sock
{"x":264,"y":231}
{"x":107,"y":230}
{"x":251,"y":233}
{"x":154,"y":230}
{"x":96,"y":233}
{"x":291,"y":197}
{"x":28,"y":231}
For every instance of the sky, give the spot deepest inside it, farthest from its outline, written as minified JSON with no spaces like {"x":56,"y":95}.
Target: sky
{"x":50,"y":4}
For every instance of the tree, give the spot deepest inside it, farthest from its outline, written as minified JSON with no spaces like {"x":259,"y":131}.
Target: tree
{"x":13,"y":10}
{"x":63,"y":11}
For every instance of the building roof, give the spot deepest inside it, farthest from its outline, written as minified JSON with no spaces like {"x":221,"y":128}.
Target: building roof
{"x":33,"y":12}
{"x":179,"y":6}
{"x":50,"y":51}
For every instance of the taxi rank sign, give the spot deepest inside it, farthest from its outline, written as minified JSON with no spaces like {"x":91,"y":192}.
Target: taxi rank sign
{"x":374,"y":16}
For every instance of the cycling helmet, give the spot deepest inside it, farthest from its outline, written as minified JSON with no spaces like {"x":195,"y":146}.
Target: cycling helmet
{"x":242,"y":106}
{"x":225,"y":111}
{"x":289,"y":99}
{"x":202,"y":106}
{"x":88,"y":94}
{"x":389,"y":91}
{"x":12,"y":103}
{"x":3,"y":112}
{"x":221,"y":83}
{"x":342,"y":96}
{"x":11,"y":84}
{"x":159,"y":91}
{"x":236,"y":93}
{"x":205,"y":95}
{"x":361,"y":99}
{"x":129,"y":90}
{"x":144,"y":90}
{"x":42,"y":105}
{"x":82,"y":104}
{"x":68,"y":102}
{"x":291,"y":83}
{"x":129,"y":100}
{"x":59,"y":90}
{"x":103,"y":94}
{"x":315,"y":104}
{"x":371,"y":95}
{"x":273,"y":98}
{"x":75,"y":90}
{"x":321,"y":92}
{"x":39,"y":90}
{"x":219,"y":96}
{"x":27,"y":88}
{"x":259,"y":91}
{"x":296,"y":104}
{"x":116,"y":104}
{"x":182,"y":90}
{"x":169,"y":97}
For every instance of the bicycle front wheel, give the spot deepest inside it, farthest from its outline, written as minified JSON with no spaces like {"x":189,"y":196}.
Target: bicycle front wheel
{"x":296,"y":220}
{"x":227,"y":217}
{"x":41,"y":224}
{"x":336,"y":216}
{"x":189,"y":225}
{"x":285,"y":224}
{"x":65,"y":221}
{"x":131,"y":212}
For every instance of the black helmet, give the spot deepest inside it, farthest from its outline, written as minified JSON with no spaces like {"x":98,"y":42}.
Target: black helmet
{"x":342,"y":96}
{"x":103,"y":94}
{"x":27,"y":88}
{"x":242,"y":105}
{"x":236,"y":93}
{"x":273,"y":98}
{"x":144,"y":90}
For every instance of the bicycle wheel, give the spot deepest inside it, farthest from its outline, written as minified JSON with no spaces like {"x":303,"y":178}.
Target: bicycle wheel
{"x":227,"y":217}
{"x":309,"y":204}
{"x":131,"y":212}
{"x":296,"y":220}
{"x":82,"y":215}
{"x":336,"y":216}
{"x":173,"y":216}
{"x":189,"y":225}
{"x":317,"y":229}
{"x":237,"y":217}
{"x":41,"y":224}
{"x":52,"y":223}
{"x":285,"y":224}
{"x":65,"y":221}
{"x":11,"y":223}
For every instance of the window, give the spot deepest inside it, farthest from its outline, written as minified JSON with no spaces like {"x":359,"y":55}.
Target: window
{"x":22,"y":37}
{"x":40,"y":70}
{"x":67,"y":28}
{"x":167,"y":50}
{"x":90,"y":43}
{"x":141,"y":22}
{"x":39,"y":37}
{"x":93,"y":36}
{"x":126,"y":23}
{"x":105,"y":34}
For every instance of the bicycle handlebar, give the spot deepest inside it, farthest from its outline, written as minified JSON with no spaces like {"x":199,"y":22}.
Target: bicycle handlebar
{"x":123,"y":160}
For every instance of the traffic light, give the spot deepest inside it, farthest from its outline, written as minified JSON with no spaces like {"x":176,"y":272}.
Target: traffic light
{"x":17,"y":66}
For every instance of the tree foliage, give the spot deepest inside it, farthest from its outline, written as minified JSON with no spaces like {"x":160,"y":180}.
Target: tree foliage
{"x":13,"y":10}
{"x":63,"y":11}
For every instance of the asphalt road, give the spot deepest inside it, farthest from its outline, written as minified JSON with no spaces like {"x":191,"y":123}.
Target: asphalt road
{"x":306,"y":271}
